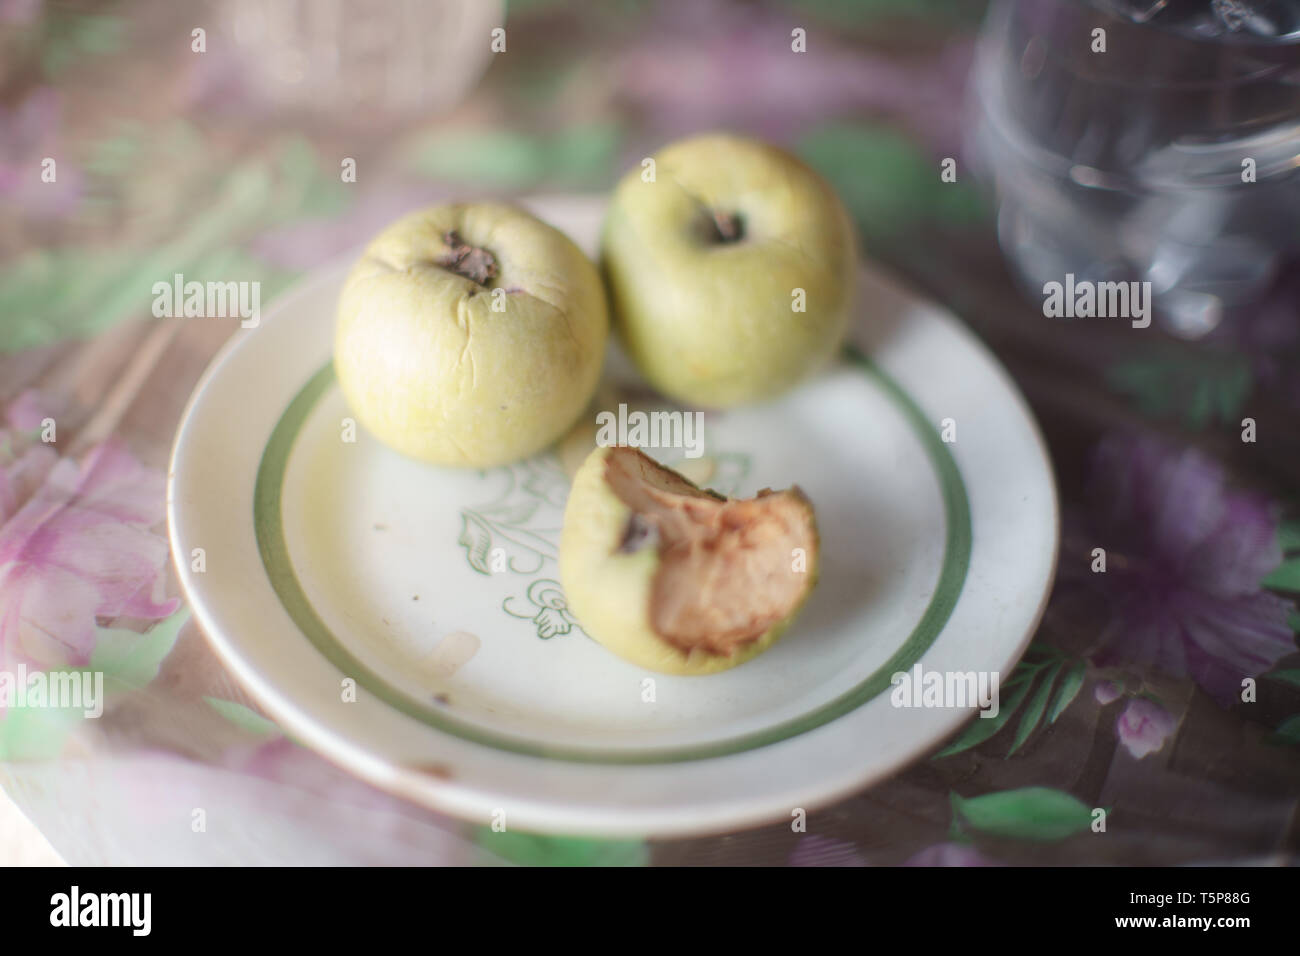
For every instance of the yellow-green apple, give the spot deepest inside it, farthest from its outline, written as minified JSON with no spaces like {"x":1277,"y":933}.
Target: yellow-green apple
{"x":731,"y":268}
{"x":470,"y":334}
{"x":677,"y":579}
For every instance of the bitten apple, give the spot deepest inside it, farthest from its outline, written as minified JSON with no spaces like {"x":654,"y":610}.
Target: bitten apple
{"x":470,"y":334}
{"x":731,"y":269}
{"x":677,"y":579}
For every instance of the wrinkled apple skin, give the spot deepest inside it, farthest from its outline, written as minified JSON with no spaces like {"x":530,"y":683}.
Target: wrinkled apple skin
{"x":609,"y":592}
{"x":431,"y":370}
{"x":711,"y":323}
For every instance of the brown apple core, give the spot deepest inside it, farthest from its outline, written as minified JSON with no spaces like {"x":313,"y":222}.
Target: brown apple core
{"x":728,"y":569}
{"x":477,"y":265}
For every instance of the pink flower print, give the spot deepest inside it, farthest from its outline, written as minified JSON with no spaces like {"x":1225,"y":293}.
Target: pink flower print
{"x":951,"y":854}
{"x":1143,"y":727}
{"x":1107,"y":691}
{"x":79,"y":548}
{"x":823,"y":851}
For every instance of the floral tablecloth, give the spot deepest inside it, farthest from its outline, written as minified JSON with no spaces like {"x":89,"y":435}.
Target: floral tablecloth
{"x":140,"y":140}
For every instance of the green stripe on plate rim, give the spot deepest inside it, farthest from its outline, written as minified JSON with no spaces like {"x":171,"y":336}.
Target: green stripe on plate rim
{"x":269,"y":525}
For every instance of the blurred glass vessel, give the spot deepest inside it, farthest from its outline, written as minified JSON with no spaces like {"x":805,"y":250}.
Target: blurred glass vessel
{"x":1165,"y":149}
{"x":362,"y":63}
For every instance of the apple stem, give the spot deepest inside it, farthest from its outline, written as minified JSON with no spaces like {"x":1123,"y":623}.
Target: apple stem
{"x":477,"y":265}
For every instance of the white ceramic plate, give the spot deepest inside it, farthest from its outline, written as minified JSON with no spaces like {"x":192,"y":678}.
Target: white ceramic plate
{"x":476,"y":692}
